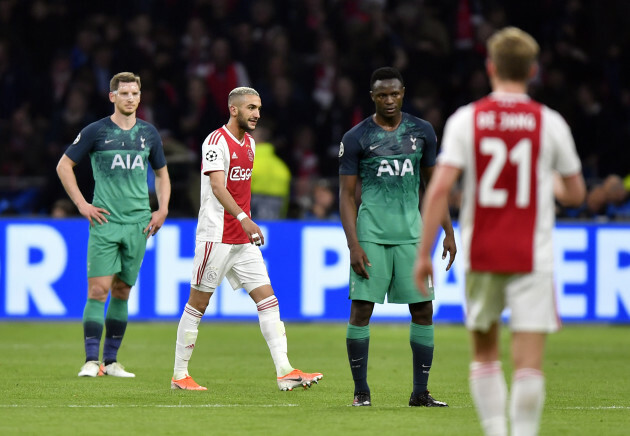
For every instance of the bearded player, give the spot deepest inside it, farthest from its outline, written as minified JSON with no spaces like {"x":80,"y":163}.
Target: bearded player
{"x":228,"y":241}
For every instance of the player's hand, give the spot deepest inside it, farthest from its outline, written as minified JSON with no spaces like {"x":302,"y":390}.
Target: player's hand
{"x":450,"y":247}
{"x":421,"y":270}
{"x":157,"y":221}
{"x":93,"y":213}
{"x":359,"y":261}
{"x":253,"y":232}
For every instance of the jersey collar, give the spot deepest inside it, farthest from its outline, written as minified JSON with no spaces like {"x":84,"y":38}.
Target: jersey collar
{"x":241,"y":143}
{"x":497,"y":95}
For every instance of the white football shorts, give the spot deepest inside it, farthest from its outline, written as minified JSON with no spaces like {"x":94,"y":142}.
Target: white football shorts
{"x":530,"y":299}
{"x":242,"y":264}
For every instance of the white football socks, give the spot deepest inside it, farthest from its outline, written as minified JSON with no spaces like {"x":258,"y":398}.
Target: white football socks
{"x":526,"y":401}
{"x":187,"y":331}
{"x":489,"y":393}
{"x":273,"y":332}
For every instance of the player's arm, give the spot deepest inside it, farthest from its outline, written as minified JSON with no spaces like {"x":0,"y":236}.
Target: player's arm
{"x":568,"y":184}
{"x":348,"y":213}
{"x":449,"y":238}
{"x":570,"y":191}
{"x":163,"y":192}
{"x":65,"y":171}
{"x":217,"y":183}
{"x":433,"y":205}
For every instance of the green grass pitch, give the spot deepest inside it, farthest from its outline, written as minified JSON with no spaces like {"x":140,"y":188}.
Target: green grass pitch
{"x":587,"y":370}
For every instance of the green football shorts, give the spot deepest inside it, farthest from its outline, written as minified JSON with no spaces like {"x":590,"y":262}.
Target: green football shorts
{"x":391,"y":274}
{"x":115,"y":248}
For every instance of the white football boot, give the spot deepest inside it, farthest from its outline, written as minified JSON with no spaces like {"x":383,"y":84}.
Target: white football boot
{"x":115,"y":369}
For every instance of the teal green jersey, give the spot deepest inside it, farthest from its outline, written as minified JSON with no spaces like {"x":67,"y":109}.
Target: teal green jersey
{"x":120,"y":161}
{"x":388,"y":165}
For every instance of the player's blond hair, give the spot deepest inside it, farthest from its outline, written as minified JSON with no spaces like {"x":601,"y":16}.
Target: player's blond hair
{"x":513,"y":52}
{"x":124,"y":77}
{"x":241,"y":90}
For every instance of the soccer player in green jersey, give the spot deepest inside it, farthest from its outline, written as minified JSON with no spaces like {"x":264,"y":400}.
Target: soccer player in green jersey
{"x":120,"y":147}
{"x":392,"y":153}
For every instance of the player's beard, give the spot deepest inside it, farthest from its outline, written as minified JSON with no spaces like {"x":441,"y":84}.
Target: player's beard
{"x":243,"y":123}
{"x":122,"y":108}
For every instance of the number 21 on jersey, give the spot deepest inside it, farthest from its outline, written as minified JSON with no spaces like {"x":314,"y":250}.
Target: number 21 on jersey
{"x":498,"y":176}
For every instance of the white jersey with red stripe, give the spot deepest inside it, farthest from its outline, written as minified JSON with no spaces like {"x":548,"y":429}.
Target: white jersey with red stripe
{"x":508,"y":146}
{"x":221,"y":151}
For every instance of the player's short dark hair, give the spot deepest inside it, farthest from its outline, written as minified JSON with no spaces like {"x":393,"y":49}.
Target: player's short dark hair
{"x":386,"y":73}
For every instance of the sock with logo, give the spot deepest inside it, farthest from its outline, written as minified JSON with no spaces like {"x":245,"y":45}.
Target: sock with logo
{"x":489,"y":393}
{"x":115,"y":326}
{"x":421,"y":341}
{"x":527,"y":398}
{"x":274,"y":333}
{"x":358,"y":346}
{"x":187,"y":332}
{"x":93,"y":328}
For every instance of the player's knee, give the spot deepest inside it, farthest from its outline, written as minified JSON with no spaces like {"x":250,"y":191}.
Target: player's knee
{"x":98,"y":292}
{"x":199,"y":299}
{"x":422,"y":313}
{"x":120,"y":289}
{"x":201,"y":306}
{"x":359,"y":321}
{"x":258,"y":291}
{"x":360,"y":313}
{"x":201,"y":302}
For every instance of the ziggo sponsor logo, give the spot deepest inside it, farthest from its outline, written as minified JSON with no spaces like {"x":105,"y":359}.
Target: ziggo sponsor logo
{"x":238,"y":173}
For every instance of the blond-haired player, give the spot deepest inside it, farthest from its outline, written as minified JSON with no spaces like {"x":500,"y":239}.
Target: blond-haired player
{"x":514,"y":154}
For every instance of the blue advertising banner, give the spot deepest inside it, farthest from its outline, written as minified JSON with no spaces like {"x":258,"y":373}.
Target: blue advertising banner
{"x":43,"y":273}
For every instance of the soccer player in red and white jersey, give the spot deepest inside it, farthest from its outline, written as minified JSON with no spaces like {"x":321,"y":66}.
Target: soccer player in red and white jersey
{"x":514,"y":154}
{"x":227,"y":243}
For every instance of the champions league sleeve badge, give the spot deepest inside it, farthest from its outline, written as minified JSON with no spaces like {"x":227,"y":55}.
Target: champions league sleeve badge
{"x":212,"y":155}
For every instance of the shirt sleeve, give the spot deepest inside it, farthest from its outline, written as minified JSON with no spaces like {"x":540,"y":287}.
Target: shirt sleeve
{"x":349,"y":155}
{"x":565,"y":158}
{"x":84,"y":143}
{"x":458,"y":137}
{"x":214,"y":156}
{"x":156,"y":154}
{"x":429,"y":153}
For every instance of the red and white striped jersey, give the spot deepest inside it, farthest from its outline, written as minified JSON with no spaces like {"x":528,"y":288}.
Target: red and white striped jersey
{"x":221,"y":151}
{"x":508,"y":146}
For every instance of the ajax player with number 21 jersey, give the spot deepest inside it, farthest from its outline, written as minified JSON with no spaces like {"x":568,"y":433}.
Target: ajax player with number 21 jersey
{"x":514,"y":155}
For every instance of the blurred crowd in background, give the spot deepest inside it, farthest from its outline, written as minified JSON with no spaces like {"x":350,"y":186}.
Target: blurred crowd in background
{"x":311,"y":61}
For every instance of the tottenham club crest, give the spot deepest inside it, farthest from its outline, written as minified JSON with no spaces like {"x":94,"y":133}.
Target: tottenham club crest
{"x":211,"y":156}
{"x":78,"y":139}
{"x":341,"y":149}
